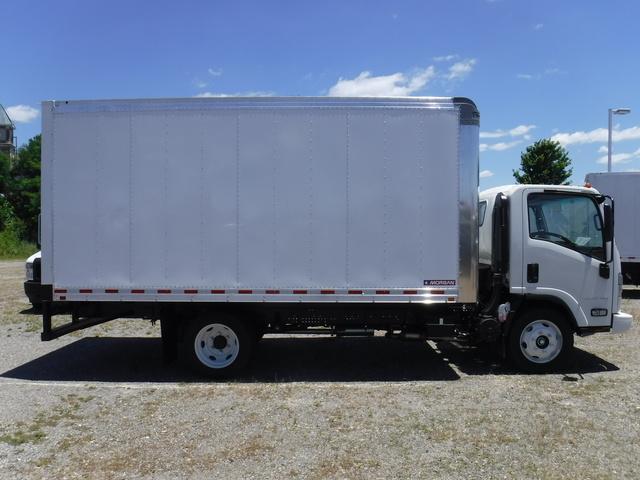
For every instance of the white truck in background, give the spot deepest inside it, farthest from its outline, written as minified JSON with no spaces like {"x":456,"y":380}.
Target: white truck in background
{"x":229,"y":218}
{"x":624,"y":188}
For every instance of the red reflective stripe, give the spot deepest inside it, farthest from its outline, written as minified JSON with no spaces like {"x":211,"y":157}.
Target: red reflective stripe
{"x":137,"y":291}
{"x":164,"y":290}
{"x":189,"y":292}
{"x":451,"y":299}
{"x":410,"y":292}
{"x":245,"y":291}
{"x":60,"y":290}
{"x":382,"y":292}
{"x":272,"y":292}
{"x":437,"y":292}
{"x":111,"y":290}
{"x":217,"y":291}
{"x":85,"y":290}
{"x":327,"y":292}
{"x":299,"y":292}
{"x":355,"y":292}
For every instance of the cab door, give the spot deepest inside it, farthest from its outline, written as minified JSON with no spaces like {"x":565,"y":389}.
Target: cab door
{"x":564,"y":246}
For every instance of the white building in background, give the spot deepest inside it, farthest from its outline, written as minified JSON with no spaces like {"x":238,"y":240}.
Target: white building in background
{"x":7,"y":139}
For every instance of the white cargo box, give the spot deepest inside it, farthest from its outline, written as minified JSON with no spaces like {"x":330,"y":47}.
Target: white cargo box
{"x":624,"y":188}
{"x":261,"y":199}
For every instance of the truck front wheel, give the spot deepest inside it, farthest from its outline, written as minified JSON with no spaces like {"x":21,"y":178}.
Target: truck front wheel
{"x":217,"y":346}
{"x":540,"y":340}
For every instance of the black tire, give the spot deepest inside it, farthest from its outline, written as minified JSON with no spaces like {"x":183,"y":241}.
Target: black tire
{"x":542,"y":326}
{"x":224,"y":347}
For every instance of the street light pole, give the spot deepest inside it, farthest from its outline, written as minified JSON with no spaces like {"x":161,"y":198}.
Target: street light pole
{"x":612,"y":112}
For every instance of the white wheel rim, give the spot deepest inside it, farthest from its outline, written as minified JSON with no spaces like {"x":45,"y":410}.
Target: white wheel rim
{"x":541,"y":341}
{"x":216,"y":345}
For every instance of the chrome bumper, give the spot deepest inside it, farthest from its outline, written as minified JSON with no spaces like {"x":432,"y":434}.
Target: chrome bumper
{"x":621,"y":322}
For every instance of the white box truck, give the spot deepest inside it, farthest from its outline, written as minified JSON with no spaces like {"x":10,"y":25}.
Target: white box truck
{"x":624,"y":188}
{"x":229,"y":218}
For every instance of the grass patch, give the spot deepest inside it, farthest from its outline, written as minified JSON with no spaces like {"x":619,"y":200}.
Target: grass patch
{"x":12,"y":248}
{"x":34,"y":432}
{"x":20,"y":437}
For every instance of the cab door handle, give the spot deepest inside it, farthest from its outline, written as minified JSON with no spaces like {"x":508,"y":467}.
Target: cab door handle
{"x":532,"y":273}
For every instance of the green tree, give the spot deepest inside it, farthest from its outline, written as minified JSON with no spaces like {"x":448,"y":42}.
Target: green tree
{"x":24,"y":187}
{"x":545,"y":162}
{"x":5,"y":169}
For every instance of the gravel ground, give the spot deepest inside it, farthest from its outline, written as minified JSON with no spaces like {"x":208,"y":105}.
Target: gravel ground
{"x":100,"y":404}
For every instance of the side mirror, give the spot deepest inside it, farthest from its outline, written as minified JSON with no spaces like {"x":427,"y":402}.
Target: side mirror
{"x":607,"y":231}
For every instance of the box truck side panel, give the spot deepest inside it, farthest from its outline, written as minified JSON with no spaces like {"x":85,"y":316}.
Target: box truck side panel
{"x":112,"y":190}
{"x":76,"y":164}
{"x":327,"y":194}
{"x":217,"y":209}
{"x":233,"y":198}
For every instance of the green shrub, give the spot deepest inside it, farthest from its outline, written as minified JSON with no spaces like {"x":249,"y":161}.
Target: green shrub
{"x":12,"y":233}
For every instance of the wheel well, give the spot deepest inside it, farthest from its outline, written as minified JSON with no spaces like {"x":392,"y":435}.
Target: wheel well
{"x":183,"y":316}
{"x":550,"y":303}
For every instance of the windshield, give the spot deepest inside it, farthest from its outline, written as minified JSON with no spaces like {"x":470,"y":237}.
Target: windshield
{"x":572,"y":221}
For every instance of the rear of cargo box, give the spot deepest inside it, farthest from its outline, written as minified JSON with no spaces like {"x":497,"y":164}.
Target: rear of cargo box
{"x":261,"y":200}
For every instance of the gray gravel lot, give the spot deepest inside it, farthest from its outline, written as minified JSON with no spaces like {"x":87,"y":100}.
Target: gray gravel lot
{"x":100,"y":404}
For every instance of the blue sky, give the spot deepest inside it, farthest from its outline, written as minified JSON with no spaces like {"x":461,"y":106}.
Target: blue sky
{"x":536,"y":69}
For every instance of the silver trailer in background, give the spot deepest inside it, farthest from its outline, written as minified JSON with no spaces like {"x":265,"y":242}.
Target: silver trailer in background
{"x":624,"y":188}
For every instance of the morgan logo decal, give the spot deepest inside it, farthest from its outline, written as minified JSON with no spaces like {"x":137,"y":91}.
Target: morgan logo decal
{"x":439,"y":283}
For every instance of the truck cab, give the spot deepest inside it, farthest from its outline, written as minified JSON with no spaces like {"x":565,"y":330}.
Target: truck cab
{"x":554,"y":250}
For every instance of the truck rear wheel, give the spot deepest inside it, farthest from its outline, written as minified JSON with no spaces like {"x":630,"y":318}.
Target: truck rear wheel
{"x":218,"y":346}
{"x":540,"y":340}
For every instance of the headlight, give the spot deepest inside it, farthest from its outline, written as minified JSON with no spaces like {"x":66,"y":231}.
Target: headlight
{"x":29,"y":271}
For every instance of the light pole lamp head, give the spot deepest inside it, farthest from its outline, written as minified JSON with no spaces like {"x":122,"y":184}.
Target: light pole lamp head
{"x":620,"y":111}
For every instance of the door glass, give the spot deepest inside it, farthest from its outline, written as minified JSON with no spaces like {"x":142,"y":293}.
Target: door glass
{"x":572,"y":221}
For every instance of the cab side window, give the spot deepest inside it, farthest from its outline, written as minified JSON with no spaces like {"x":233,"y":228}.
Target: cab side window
{"x":572,"y":221}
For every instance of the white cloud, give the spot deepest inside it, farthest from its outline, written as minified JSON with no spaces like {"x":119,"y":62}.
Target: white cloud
{"x":460,"y":70}
{"x":596,"y":136}
{"x":603,"y":149}
{"x":22,"y":113}
{"x":500,"y":146}
{"x":199,"y":83}
{"x":538,"y":26}
{"x":486,"y":174}
{"x":520,"y":130}
{"x":236,"y":94}
{"x":504,"y":145}
{"x":538,"y":76}
{"x":215,"y":72}
{"x":396,"y":84}
{"x":446,"y":58}
{"x":619,"y":157}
